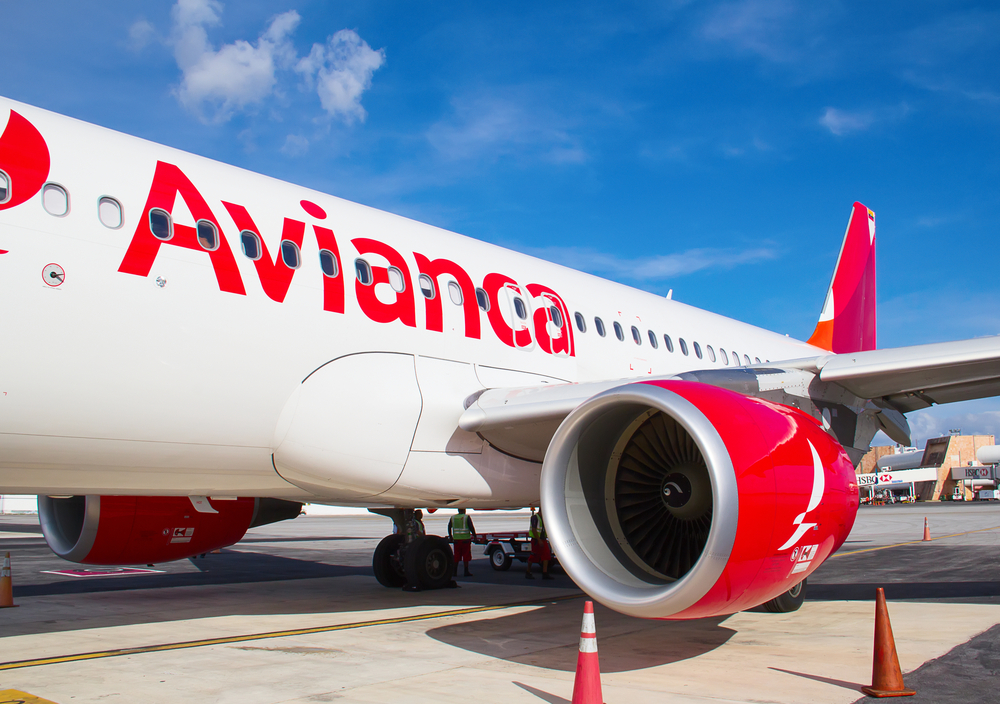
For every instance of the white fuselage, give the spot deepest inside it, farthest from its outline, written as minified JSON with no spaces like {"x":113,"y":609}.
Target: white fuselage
{"x":163,"y":383}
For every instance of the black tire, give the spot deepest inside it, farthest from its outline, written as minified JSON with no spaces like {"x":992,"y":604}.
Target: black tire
{"x":429,"y":562}
{"x":789,"y":601}
{"x":499,"y":560}
{"x":386,"y":565}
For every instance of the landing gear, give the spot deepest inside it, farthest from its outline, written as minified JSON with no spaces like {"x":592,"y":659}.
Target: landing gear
{"x":429,"y":562}
{"x":789,"y":601}
{"x":409,"y":560}
{"x":387,"y":562}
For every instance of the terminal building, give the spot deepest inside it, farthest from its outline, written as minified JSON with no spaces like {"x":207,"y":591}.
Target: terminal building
{"x":951,"y":468}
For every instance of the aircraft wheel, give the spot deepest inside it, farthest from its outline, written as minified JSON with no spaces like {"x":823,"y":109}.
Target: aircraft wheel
{"x":789,"y":601}
{"x":386,"y":562}
{"x":500,"y":561}
{"x":429,"y":562}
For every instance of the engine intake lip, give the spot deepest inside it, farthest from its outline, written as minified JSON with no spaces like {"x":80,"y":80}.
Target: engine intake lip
{"x":579,"y":531}
{"x":70,"y":525}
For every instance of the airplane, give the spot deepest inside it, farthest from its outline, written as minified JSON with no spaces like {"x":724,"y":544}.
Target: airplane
{"x":192,"y":350}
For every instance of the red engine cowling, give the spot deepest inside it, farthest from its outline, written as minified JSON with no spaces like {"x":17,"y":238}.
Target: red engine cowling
{"x":676,"y":499}
{"x":127,"y":530}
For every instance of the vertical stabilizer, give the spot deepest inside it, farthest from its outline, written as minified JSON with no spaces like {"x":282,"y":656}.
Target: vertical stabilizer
{"x":847,"y":323}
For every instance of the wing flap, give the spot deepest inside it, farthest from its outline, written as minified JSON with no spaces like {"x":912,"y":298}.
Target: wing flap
{"x":919,"y":376}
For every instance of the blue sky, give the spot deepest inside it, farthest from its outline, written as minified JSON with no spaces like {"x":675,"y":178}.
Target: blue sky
{"x":714,"y":148}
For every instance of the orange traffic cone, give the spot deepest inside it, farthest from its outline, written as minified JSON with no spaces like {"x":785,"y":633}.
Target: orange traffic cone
{"x":6,"y":587}
{"x":887,"y":678}
{"x":927,"y":530}
{"x":587,"y":686}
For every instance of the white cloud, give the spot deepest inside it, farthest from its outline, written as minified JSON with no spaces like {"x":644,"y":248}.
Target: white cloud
{"x":341,"y":70}
{"x":492,"y":126}
{"x":758,"y":26}
{"x":842,"y":122}
{"x":653,"y":268}
{"x":217,"y":83}
{"x":140,"y":35}
{"x":295,"y":145}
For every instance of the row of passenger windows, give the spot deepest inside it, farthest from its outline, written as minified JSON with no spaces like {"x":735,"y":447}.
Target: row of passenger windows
{"x":654,"y":342}
{"x":55,"y":200}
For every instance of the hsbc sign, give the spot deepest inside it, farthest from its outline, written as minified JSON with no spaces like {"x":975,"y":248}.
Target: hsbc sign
{"x":903,"y":476}
{"x":985,"y":472}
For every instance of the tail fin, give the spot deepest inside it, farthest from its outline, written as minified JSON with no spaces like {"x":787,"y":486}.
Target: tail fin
{"x":847,"y":323}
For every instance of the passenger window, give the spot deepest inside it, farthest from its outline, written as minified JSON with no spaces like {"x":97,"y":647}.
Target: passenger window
{"x":160,"y":224}
{"x":250,"y":243}
{"x":668,"y":342}
{"x":736,"y":360}
{"x":756,"y":360}
{"x":455,"y":293}
{"x":697,"y":350}
{"x":426,"y":285}
{"x":619,"y":333}
{"x":723,"y":356}
{"x":328,"y":263}
{"x":652,"y":340}
{"x":636,"y":335}
{"x":55,"y":200}
{"x":290,"y":254}
{"x":4,"y":187}
{"x":557,"y":318}
{"x":483,"y":300}
{"x":109,"y":211}
{"x":711,"y":352}
{"x":396,"y":281}
{"x":746,"y":359}
{"x":581,"y":322}
{"x":684,"y":346}
{"x":520,"y":309}
{"x":599,"y":326}
{"x":208,"y":237}
{"x":363,"y":271}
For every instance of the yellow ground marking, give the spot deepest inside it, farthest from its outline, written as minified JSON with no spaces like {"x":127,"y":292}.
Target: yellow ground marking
{"x":912,"y":542}
{"x":12,"y":696}
{"x":17,"y":664}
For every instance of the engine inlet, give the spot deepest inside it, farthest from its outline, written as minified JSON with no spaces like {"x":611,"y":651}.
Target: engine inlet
{"x":662,"y":496}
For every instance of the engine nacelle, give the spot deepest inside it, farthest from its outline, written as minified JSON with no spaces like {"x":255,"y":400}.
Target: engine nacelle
{"x":128,"y":530}
{"x":675,"y":499}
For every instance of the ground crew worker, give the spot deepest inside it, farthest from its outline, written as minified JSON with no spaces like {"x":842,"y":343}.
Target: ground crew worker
{"x":414,"y":529}
{"x":461,"y":530}
{"x":541,"y":551}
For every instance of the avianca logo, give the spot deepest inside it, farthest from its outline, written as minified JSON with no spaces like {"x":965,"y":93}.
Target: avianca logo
{"x":24,"y":160}
{"x":275,"y":276}
{"x":818,"y":487}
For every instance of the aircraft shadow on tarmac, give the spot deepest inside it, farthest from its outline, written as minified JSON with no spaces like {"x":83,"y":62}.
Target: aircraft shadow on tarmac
{"x":546,"y":637}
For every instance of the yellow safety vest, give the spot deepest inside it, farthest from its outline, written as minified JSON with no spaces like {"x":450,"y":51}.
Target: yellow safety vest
{"x":460,"y":527}
{"x":537,"y":530}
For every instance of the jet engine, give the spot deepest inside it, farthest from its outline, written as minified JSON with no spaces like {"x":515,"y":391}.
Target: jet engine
{"x":676,"y":499}
{"x":127,"y":530}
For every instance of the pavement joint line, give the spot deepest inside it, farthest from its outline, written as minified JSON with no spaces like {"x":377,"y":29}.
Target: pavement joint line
{"x":912,"y":542}
{"x":225,"y":640}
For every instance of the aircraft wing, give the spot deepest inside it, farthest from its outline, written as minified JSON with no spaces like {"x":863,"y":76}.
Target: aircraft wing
{"x":917,"y":377}
{"x":521,"y":421}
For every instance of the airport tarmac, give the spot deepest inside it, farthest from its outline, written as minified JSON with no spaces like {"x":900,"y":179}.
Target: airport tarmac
{"x":293,"y":614}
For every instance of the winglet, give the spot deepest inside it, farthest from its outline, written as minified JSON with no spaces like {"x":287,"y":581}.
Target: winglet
{"x":847,"y":323}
